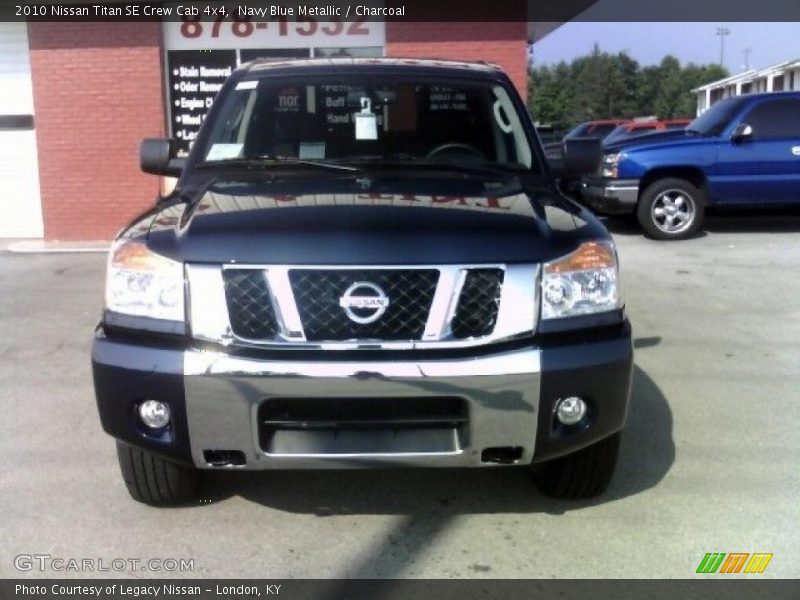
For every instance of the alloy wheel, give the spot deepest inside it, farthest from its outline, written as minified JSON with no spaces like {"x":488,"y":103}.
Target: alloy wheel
{"x":673,"y":211}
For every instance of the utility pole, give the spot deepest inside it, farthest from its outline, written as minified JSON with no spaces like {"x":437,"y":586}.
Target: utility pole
{"x":722,"y":32}
{"x":746,"y":53}
{"x":530,"y":56}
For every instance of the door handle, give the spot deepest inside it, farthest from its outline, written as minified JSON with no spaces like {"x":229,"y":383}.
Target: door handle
{"x":796,"y":150}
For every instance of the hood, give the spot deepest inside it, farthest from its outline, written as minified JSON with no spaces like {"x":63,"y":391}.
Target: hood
{"x":457,"y":220}
{"x":650,"y":139}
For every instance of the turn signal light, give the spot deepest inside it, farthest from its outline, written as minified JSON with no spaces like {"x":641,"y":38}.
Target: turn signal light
{"x":590,"y":256}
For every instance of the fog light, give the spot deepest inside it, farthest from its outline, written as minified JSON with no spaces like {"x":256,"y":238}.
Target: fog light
{"x":154,"y":414}
{"x":570,"y":411}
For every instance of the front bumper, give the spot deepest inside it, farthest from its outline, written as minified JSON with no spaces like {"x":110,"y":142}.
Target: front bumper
{"x":611,"y":196}
{"x":509,"y":395}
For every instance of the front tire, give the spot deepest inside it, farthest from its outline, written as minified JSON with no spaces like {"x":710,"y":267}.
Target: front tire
{"x":582,"y":474}
{"x":671,"y":209}
{"x":152,"y":480}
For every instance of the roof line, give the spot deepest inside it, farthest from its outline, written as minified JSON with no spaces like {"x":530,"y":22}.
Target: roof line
{"x":266,"y":64}
{"x":750,"y":75}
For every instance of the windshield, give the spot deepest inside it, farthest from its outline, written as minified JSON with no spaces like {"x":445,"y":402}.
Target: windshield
{"x":369,"y":118}
{"x":619,"y":132}
{"x":715,"y":119}
{"x":601,"y":131}
{"x":577,"y":131}
{"x":592,"y":130}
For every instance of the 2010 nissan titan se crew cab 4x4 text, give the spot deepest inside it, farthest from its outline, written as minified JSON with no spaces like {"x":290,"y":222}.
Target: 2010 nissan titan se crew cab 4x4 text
{"x":365,"y":263}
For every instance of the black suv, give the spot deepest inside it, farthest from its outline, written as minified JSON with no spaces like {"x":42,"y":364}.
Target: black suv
{"x":364,"y":263}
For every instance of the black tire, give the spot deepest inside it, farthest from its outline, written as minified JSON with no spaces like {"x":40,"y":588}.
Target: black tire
{"x":152,"y":480}
{"x":583,"y":474}
{"x":678,"y":224}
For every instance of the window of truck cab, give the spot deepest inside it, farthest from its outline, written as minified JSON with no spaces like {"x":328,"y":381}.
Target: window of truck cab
{"x":775,"y":119}
{"x":466,"y":120}
{"x":714,"y":120}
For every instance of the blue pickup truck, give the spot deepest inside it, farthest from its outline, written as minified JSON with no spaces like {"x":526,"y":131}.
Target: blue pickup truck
{"x":743,"y":151}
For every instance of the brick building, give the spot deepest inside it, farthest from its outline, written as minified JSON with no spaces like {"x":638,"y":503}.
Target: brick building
{"x":94,"y":90}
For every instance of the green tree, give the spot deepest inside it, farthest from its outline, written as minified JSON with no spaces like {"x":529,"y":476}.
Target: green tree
{"x":603,"y":86}
{"x":694,"y":76}
{"x":671,"y":88}
{"x":552,"y":92}
{"x":648,"y":82}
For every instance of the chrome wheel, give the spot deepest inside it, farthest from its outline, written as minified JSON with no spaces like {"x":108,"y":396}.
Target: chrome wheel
{"x":673,"y":211}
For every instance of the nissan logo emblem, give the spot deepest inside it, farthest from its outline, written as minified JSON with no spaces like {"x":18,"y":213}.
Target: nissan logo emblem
{"x":364,"y":302}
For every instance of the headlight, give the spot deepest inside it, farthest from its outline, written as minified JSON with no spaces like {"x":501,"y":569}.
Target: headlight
{"x":142,"y":283}
{"x":581,"y":283}
{"x":610,"y":164}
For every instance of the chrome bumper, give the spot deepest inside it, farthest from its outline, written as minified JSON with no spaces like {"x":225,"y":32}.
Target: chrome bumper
{"x":223,"y":394}
{"x":611,"y":195}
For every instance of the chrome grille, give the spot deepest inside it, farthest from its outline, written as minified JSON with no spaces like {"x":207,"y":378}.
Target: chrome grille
{"x":249,"y":305}
{"x":317,"y":294}
{"x":478,"y":303}
{"x":436,"y":306}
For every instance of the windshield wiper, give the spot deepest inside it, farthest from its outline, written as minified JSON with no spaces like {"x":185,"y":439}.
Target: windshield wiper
{"x":693,"y":131}
{"x":268,"y":160}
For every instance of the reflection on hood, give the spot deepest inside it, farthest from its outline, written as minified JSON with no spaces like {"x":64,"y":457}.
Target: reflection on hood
{"x":464,"y":221}
{"x":215,"y":202}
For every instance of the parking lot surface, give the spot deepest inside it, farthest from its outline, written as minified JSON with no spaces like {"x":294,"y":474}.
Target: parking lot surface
{"x":710,"y":460}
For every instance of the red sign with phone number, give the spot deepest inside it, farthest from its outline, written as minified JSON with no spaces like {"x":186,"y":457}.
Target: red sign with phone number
{"x":193,"y":27}
{"x":277,"y":32}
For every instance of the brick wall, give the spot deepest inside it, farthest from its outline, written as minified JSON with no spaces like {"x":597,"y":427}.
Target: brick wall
{"x":502,"y":43}
{"x":97,"y":91}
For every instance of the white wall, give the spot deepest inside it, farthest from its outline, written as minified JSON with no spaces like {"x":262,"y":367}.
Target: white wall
{"x":20,"y":202}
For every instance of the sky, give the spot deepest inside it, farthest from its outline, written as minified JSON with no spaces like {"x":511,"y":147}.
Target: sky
{"x":648,"y":43}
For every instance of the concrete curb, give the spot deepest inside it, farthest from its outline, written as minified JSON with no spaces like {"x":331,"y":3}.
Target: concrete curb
{"x":43,"y":247}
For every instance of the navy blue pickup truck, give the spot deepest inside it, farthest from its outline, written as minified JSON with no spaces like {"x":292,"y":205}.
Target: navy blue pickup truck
{"x":744,"y":151}
{"x":365,"y":263}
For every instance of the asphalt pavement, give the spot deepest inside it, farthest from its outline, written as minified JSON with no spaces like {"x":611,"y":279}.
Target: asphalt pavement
{"x":710,"y":460}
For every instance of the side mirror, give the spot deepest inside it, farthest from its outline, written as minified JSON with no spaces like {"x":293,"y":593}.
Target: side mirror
{"x":581,"y":156}
{"x":157,"y":157}
{"x":742,"y":133}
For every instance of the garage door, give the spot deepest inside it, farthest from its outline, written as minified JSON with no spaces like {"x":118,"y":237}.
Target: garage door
{"x":20,"y":204}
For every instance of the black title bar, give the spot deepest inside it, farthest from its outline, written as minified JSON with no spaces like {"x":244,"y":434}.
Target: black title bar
{"x":703,"y":588}
{"x":544,"y":11}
